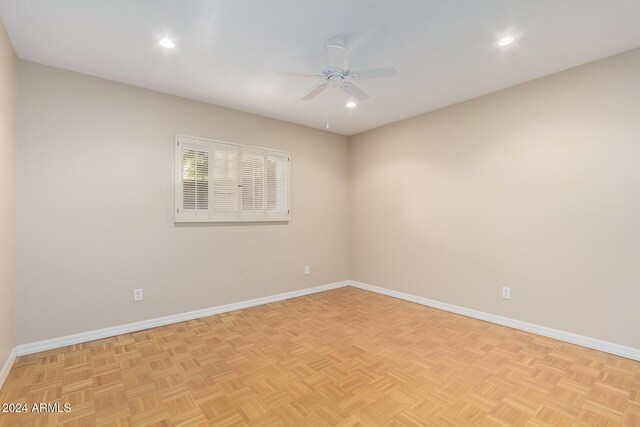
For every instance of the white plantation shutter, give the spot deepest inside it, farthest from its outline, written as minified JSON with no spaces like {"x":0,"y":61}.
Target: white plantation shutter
{"x":277,"y":184}
{"x":224,"y":181}
{"x":193,"y":180}
{"x":253,"y":185}
{"x":220,"y":181}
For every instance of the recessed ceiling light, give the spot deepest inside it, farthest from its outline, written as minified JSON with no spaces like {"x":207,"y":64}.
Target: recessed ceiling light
{"x":351,"y":104}
{"x":168,"y":43}
{"x":505,"y":41}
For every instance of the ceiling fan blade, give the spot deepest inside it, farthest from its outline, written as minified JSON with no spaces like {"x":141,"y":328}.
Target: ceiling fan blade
{"x":355,"y":91}
{"x":315,"y":92}
{"x":301,"y":75}
{"x":336,"y":54}
{"x":375,"y":73}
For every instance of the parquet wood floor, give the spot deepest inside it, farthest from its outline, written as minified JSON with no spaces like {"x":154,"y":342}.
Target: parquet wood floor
{"x":345,"y":357}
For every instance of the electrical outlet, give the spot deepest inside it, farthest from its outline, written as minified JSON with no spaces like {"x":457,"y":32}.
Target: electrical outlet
{"x":137,"y":295}
{"x":307,"y":269}
{"x":506,"y":293}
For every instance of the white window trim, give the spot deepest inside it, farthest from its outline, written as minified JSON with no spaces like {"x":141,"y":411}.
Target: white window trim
{"x":179,"y":218}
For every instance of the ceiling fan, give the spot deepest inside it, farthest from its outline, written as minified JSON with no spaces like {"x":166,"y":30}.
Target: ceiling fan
{"x":338,"y":75}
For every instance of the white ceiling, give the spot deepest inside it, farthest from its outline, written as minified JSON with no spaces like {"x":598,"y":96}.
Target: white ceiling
{"x":230,"y":52}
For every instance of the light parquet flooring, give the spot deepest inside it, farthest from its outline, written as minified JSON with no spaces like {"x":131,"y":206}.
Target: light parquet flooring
{"x":344,"y":357}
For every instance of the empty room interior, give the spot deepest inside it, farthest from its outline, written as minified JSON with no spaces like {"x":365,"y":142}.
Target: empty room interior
{"x":320,"y":213}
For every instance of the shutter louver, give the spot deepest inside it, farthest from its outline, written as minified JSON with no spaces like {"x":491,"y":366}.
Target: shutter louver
{"x":220,"y":181}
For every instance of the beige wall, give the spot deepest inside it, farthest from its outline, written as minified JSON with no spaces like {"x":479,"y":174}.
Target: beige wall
{"x":95,"y":208}
{"x":7,"y":196}
{"x":536,"y":187}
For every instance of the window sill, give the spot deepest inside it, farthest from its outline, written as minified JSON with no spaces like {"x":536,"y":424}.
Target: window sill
{"x":199,"y":220}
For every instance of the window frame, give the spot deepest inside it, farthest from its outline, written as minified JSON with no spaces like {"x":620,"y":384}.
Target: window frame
{"x":210,"y":215}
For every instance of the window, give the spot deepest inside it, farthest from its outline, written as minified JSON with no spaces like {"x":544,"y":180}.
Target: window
{"x":220,"y":181}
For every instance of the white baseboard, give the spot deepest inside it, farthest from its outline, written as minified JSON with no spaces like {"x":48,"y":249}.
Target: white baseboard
{"x":607,"y":347}
{"x":596,"y":344}
{"x":4,"y":372}
{"x":166,"y":320}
